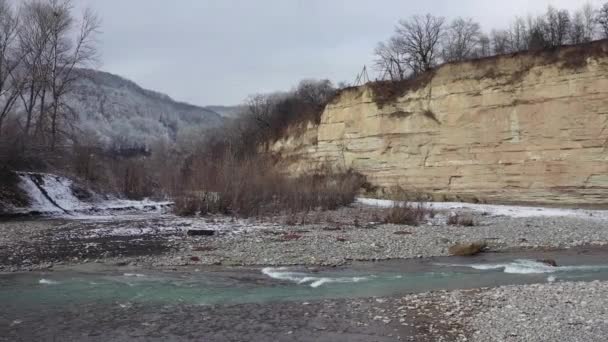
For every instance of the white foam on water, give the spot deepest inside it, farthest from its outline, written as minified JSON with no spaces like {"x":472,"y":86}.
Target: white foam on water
{"x":322,"y":281}
{"x":47,"y":282}
{"x":125,"y":305}
{"x":525,"y":266}
{"x":284,"y":273}
{"x":136,"y":275}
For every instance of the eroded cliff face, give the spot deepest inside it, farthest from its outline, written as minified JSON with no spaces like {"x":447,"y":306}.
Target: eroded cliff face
{"x":522,"y":128}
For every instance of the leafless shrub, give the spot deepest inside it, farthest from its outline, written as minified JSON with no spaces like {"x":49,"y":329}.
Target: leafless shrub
{"x":404,"y":213}
{"x":461,"y":220}
{"x":291,"y":237}
{"x":467,"y":249}
{"x":291,"y":220}
{"x":388,"y":91}
{"x":186,"y":206}
{"x":253,"y":187}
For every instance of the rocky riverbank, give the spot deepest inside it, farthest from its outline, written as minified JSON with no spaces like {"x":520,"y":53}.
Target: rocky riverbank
{"x":547,"y":312}
{"x":554,"y":311}
{"x":319,"y":238}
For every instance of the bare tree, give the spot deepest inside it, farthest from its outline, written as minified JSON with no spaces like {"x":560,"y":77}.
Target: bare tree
{"x":461,"y":40}
{"x":501,"y":43}
{"x":315,"y":92}
{"x":584,"y":25}
{"x":419,"y":38}
{"x":66,"y":55}
{"x":537,"y":39}
{"x":602,"y":19}
{"x":519,"y":35}
{"x":33,"y":42}
{"x":577,"y":29}
{"x":556,"y":26}
{"x":484,"y":48}
{"x":391,"y":60}
{"x":10,"y":85}
{"x":260,"y":108}
{"x":53,"y":45}
{"x":590,"y":20}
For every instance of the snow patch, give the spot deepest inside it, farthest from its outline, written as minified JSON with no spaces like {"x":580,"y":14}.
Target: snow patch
{"x":135,"y":275}
{"x":498,"y":210}
{"x":53,"y":195}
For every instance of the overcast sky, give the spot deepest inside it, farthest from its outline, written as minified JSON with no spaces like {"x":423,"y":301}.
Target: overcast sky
{"x":210,"y":52}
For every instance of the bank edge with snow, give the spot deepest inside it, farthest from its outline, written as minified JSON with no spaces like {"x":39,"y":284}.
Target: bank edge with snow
{"x":53,"y":195}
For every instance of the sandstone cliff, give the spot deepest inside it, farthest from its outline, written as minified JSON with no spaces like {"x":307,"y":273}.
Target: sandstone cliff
{"x":529,"y":127}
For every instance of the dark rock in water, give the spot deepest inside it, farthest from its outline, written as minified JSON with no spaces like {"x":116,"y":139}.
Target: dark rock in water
{"x":467,"y":249}
{"x":548,"y":262}
{"x":195,"y":258}
{"x":201,"y":232}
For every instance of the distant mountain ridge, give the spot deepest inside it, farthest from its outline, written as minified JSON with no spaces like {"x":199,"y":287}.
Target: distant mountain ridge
{"x":227,"y":111}
{"x":120,"y":114}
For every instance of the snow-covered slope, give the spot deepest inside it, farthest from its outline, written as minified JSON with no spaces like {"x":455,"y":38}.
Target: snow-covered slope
{"x":121,"y":114}
{"x":54,"y":195}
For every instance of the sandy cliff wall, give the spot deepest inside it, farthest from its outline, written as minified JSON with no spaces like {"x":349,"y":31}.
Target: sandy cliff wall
{"x":530,"y":127}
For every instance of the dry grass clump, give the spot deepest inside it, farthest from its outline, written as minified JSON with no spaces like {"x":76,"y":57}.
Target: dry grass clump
{"x":385,"y":92}
{"x":405,"y":213}
{"x":461,"y":220}
{"x":467,"y":249}
{"x":253,"y":187}
{"x":186,"y":206}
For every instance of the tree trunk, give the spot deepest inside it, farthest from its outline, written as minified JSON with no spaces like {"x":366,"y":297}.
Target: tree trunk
{"x":54,"y":126}
{"x":30,"y":110}
{"x":40,"y":121}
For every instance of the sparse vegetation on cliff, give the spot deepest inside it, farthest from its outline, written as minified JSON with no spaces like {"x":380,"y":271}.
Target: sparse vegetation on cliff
{"x":420,"y":43}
